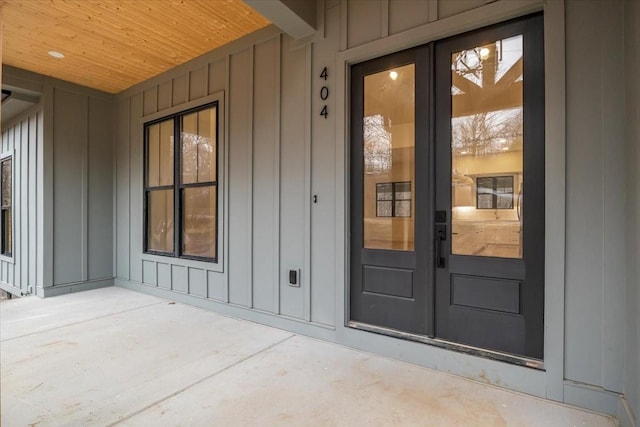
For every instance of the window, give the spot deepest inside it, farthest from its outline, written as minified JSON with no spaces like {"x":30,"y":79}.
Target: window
{"x":494,"y":192}
{"x":5,"y":189}
{"x":181,"y":185}
{"x":393,"y":199}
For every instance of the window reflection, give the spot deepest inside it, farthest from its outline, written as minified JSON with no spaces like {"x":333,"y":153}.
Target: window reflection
{"x":389,"y":142}
{"x":5,"y":208}
{"x":160,"y":223}
{"x":377,"y":145}
{"x":199,"y":235}
{"x":199,"y":147}
{"x":487,"y":149}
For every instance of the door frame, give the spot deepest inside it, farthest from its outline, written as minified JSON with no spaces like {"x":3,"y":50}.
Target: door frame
{"x":550,"y":382}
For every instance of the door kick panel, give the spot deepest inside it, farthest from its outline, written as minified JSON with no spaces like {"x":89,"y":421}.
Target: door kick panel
{"x":487,"y":329}
{"x":395,"y":282}
{"x":486,"y":293}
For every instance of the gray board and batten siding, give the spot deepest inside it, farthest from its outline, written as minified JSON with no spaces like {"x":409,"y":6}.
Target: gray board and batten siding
{"x":21,"y":272}
{"x":277,"y":152}
{"x":632,"y":293}
{"x":63,"y":188}
{"x":263,"y":234}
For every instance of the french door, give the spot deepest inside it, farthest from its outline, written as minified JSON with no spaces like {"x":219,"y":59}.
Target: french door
{"x":447,"y":161}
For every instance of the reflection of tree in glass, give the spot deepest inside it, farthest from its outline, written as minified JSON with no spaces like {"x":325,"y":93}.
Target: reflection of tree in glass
{"x":197,"y":156}
{"x":6,"y":182}
{"x":199,"y":167}
{"x":487,"y":132}
{"x":377,"y":145}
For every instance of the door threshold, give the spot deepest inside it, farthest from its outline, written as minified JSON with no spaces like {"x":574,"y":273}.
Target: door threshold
{"x":448,"y":345}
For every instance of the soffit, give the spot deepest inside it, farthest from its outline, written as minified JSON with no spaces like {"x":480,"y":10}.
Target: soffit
{"x":111,"y":45}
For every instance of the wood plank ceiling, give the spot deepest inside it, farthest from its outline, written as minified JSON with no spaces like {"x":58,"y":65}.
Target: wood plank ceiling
{"x":111,"y":45}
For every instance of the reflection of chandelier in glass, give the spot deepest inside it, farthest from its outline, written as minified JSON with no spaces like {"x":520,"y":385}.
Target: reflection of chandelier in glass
{"x":377,"y":145}
{"x":469,"y":62}
{"x":197,"y":140}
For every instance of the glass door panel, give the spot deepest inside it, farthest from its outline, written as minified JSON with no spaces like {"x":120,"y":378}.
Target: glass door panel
{"x":487,"y":149}
{"x":389,"y":159}
{"x":489,"y":280}
{"x":389,"y":234}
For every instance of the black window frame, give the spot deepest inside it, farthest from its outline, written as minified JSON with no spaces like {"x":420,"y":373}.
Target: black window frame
{"x":4,"y":210}
{"x":178,"y":186}
{"x":494,"y":191}
{"x":393,"y":200}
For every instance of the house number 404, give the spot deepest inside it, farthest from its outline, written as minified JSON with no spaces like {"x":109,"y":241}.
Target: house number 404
{"x":324,"y":93}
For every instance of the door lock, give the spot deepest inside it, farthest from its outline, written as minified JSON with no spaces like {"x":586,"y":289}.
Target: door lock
{"x":441,"y":235}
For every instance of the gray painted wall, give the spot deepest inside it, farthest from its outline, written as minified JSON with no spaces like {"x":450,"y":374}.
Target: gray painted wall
{"x":602,"y":323}
{"x":82,"y":169}
{"x":280,"y":152}
{"x":63,"y":177}
{"x":595,"y":274}
{"x":632,"y":96}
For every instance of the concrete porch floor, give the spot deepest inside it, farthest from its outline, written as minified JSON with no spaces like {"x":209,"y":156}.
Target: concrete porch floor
{"x":117,"y":357}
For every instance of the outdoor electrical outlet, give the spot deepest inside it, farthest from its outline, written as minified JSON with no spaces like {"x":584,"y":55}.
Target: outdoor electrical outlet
{"x":294,"y":278}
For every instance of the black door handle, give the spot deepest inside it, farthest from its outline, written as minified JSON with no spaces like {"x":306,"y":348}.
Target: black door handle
{"x":441,"y":235}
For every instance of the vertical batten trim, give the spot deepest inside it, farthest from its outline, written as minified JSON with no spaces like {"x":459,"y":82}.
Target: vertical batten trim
{"x":613,"y":220}
{"x":33,"y":202}
{"x":226,"y":146}
{"x":24,"y":181}
{"x":321,"y":17}
{"x":384,"y":18}
{"x":171,"y":80}
{"x":39,"y":202}
{"x":342,"y":196}
{"x":433,"y":10}
{"x":251,"y":85}
{"x":129,"y":186}
{"x":344,"y":24}
{"x":157,"y":89}
{"x":555,"y":195}
{"x":207,"y":83}
{"x":206,"y":282}
{"x":16,"y":251}
{"x":85,"y":194}
{"x":277,"y":177}
{"x":307,"y":179}
{"x":47,"y":183}
{"x":188,"y":77}
{"x":114,"y":196}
